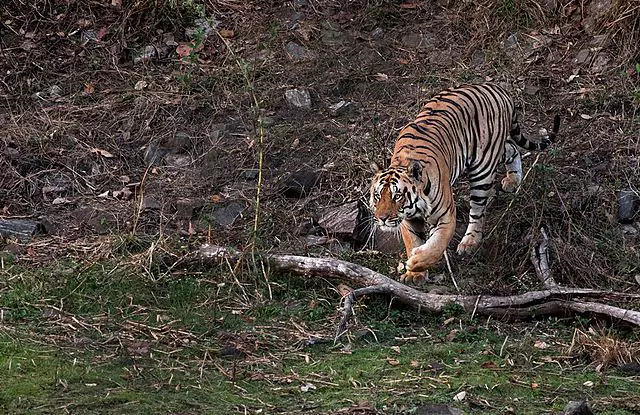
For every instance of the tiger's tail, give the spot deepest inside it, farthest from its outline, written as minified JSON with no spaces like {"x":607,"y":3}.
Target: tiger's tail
{"x":522,"y":141}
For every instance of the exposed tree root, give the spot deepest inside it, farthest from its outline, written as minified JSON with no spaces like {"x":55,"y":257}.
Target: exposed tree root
{"x":553,"y":299}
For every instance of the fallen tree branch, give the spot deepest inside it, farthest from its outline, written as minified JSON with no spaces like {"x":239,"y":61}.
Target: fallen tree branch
{"x":555,"y":299}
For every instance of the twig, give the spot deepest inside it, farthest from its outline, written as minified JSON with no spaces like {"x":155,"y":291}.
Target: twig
{"x":540,"y":261}
{"x":349,"y":301}
{"x":453,"y":278}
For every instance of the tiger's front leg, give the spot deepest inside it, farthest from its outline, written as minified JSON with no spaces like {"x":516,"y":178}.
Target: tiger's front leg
{"x":413,"y":232}
{"x":427,"y":254}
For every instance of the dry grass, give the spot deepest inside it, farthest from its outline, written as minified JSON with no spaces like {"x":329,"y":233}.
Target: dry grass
{"x":603,"y":349}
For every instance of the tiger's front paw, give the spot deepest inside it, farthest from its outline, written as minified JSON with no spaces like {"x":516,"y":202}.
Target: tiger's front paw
{"x":414,"y":278}
{"x":468,"y":244}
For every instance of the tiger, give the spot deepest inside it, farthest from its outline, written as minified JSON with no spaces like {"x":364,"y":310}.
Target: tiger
{"x":471,"y":128}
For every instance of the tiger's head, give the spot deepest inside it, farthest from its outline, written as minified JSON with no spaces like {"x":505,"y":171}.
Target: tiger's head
{"x":396,"y":194}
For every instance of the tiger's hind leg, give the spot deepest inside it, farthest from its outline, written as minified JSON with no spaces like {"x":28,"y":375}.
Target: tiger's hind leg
{"x":513,"y":165}
{"x":481,"y":187}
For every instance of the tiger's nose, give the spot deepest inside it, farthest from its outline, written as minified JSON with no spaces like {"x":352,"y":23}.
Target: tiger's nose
{"x":382,"y":218}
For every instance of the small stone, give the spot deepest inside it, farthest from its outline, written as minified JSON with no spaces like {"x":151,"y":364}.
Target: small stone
{"x":477,"y":57}
{"x":582,"y":56}
{"x":154,"y":154}
{"x":331,"y":34}
{"x":577,"y":408}
{"x":100,"y":221}
{"x":631,"y":369}
{"x":301,"y":3}
{"x":186,"y":208}
{"x":340,"y":108}
{"x":226,"y":215}
{"x":628,"y":204}
{"x":298,"y":53}
{"x":418,"y":41}
{"x":251,"y":174}
{"x":377,"y":33}
{"x":300,"y":184}
{"x":628,"y":229}
{"x":298,"y":97}
{"x":178,"y":160}
{"x":531,"y":89}
{"x":294,"y":21}
{"x":150,"y":202}
{"x":510,"y":42}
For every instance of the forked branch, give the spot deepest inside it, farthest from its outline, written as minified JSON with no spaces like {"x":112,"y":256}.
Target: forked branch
{"x":552,"y":300}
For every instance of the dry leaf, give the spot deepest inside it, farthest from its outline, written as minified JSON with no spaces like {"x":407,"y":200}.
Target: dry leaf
{"x":89,"y":88}
{"x":460,"y":396}
{"x":226,"y":33}
{"x":183,"y":50}
{"x":103,"y":153}
{"x":409,"y":5}
{"x":393,"y":362}
{"x":344,"y":290}
{"x":449,"y":320}
{"x":216,"y":198}
{"x":585,"y":116}
{"x":534,"y":386}
{"x":116,"y":3}
{"x":588,"y":384}
{"x":396,"y":349}
{"x":381,"y":77}
{"x":539,"y":344}
{"x":307,"y":387}
{"x":452,"y":335}
{"x":489,"y":365}
{"x":140,"y":85}
{"x":403,"y":61}
{"x":415,"y":363}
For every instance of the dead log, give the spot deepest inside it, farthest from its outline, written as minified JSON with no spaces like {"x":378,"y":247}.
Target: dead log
{"x":553,"y":299}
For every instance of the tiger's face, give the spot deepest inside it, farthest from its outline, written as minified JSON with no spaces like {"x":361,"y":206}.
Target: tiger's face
{"x":393,"y":198}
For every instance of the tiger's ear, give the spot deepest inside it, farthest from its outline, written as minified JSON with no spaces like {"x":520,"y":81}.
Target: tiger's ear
{"x":415,"y":170}
{"x":374,"y":167}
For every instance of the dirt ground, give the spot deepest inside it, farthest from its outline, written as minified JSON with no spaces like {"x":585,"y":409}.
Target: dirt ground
{"x":145,"y":119}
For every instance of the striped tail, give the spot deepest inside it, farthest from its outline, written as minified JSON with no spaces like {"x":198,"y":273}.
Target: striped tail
{"x":522,"y":141}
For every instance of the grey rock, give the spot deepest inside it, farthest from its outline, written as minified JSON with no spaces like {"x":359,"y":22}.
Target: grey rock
{"x":154,"y":154}
{"x":186,"y":208}
{"x":226,"y":215}
{"x":577,"y":408}
{"x":477,"y":57}
{"x":531,"y":89}
{"x":150,"y":202}
{"x":100,"y":221}
{"x":628,"y":204}
{"x":251,"y":174}
{"x":22,"y":229}
{"x":377,"y":33}
{"x":202,"y":27}
{"x":332,"y":35}
{"x":582,"y":56}
{"x":436,"y":409}
{"x":298,"y":53}
{"x":294,"y":21}
{"x":178,"y":160}
{"x":419,"y":41}
{"x":387,"y":242}
{"x":299,"y":184}
{"x":628,"y":229}
{"x":340,"y":220}
{"x":631,"y":369}
{"x":298,"y":97}
{"x":510,"y":41}
{"x":301,"y":3}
